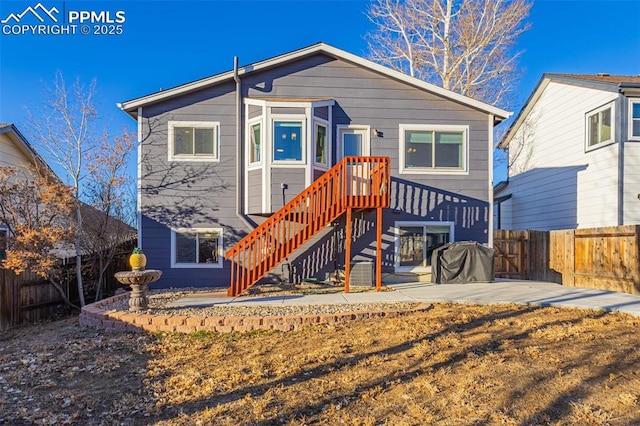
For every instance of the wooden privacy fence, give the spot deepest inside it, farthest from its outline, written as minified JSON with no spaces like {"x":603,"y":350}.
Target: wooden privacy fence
{"x":25,"y":298}
{"x":604,"y":258}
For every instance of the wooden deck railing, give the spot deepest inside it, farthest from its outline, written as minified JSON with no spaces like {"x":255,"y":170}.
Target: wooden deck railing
{"x":353,"y":183}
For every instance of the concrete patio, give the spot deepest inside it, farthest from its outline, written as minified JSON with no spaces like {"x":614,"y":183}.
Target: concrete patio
{"x":500,"y":292}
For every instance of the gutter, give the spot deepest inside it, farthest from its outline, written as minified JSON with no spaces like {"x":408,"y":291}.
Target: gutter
{"x":239,"y":174}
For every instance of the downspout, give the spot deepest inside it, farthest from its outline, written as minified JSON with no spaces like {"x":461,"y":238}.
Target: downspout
{"x":239,"y":168}
{"x":620,"y":132}
{"x":491,"y":125}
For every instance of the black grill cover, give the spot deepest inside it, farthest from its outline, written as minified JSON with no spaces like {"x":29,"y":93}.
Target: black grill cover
{"x":462,"y":262}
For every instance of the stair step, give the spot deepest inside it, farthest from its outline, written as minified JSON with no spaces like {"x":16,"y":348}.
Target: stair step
{"x":305,"y":215}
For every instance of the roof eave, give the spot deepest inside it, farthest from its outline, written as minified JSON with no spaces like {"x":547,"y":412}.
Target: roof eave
{"x":524,"y":111}
{"x":26,"y":146}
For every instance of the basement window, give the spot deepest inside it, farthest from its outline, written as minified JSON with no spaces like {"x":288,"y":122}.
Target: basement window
{"x":196,"y":248}
{"x":416,"y":241}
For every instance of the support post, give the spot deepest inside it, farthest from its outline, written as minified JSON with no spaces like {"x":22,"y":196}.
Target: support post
{"x":347,"y":251}
{"x":378,"y":248}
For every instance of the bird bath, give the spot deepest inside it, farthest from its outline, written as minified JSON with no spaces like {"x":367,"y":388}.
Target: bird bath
{"x":138,"y":280}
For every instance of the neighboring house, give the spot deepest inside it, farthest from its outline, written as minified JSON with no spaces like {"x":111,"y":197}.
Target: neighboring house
{"x":219,"y":156}
{"x":16,"y":151}
{"x":574,"y":151}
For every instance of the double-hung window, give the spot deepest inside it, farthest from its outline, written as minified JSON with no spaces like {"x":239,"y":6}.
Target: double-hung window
{"x":194,"y":141}
{"x":634,"y":119}
{"x":427,"y":149}
{"x":600,"y":126}
{"x":196,"y":248}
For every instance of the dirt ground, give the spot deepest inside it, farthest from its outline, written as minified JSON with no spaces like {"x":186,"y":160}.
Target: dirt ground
{"x":450,"y":365}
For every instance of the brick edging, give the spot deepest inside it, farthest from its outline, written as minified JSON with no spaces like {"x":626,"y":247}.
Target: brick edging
{"x":98,"y":316}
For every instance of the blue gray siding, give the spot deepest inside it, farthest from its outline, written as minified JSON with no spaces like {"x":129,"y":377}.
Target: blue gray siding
{"x":204,"y":194}
{"x":254,"y":188}
{"x":293,"y":178}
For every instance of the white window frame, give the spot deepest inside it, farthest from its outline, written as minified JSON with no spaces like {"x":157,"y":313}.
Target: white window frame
{"x":341,"y":129}
{"x":302,"y":119}
{"x":216,"y":265}
{"x":434,"y":170}
{"x":252,"y":122}
{"x":631,"y":137}
{"x":424,"y":224}
{"x":588,"y":115}
{"x":324,"y":123}
{"x":195,"y":124}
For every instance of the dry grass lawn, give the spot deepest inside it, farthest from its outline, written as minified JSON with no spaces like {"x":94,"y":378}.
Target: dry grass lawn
{"x":450,"y":365}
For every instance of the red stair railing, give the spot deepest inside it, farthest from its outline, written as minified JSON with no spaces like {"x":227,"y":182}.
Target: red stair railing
{"x":355,"y":182}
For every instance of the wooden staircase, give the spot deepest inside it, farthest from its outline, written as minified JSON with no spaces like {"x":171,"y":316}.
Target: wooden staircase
{"x":359,"y":183}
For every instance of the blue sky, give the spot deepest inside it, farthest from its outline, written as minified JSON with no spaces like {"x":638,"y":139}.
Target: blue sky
{"x":167,"y":43}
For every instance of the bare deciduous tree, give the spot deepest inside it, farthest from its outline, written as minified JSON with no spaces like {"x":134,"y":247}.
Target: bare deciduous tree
{"x":106,"y":228}
{"x":466,"y":46}
{"x":66,"y":129}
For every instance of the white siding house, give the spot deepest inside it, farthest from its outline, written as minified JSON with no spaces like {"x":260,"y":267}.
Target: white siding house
{"x":15,"y":150}
{"x":574,"y":155}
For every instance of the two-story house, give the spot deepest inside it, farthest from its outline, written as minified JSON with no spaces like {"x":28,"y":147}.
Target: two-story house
{"x":354,"y":151}
{"x":574,"y":151}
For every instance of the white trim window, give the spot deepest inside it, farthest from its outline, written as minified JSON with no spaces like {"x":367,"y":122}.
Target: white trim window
{"x":288,"y":140}
{"x":321,"y":138}
{"x":196,"y":248}
{"x":416,"y":241}
{"x":429,"y":149}
{"x":256,"y":136}
{"x":600,"y":126}
{"x":194,"y":141}
{"x":634,"y":119}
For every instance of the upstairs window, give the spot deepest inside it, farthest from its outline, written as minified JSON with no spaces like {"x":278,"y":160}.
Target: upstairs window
{"x":634,"y":119}
{"x":322,"y":148}
{"x":255,"y":140}
{"x":193,"y":141}
{"x":600,"y":126}
{"x":193,"y":248}
{"x":287,"y":141}
{"x":425,"y":149}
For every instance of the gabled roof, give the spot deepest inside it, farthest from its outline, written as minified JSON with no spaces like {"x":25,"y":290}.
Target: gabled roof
{"x":131,"y":106}
{"x":606,"y":82}
{"x":25,"y":146}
